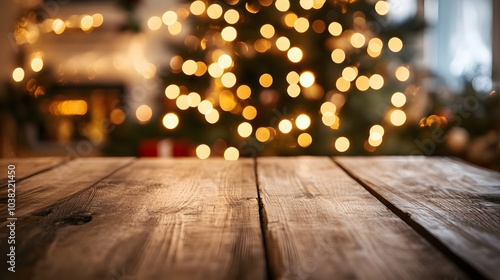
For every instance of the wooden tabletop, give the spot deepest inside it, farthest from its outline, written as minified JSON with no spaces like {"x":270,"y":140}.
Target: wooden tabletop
{"x":268,"y":218}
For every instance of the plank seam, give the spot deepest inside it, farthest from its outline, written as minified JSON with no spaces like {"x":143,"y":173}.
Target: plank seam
{"x":417,"y":227}
{"x":263,"y":223}
{"x":82,"y":190}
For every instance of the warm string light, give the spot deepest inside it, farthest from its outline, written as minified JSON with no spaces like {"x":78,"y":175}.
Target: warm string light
{"x":29,"y":30}
{"x":233,"y":97}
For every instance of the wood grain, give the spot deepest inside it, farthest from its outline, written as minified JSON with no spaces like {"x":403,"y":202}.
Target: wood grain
{"x":154,"y":219}
{"x":51,"y":187}
{"x":321,"y":224}
{"x":458,"y":205}
{"x":27,"y":166}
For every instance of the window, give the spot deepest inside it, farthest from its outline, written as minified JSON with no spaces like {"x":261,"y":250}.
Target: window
{"x":458,"y":41}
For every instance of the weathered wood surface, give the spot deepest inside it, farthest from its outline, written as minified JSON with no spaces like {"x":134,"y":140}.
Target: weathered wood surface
{"x":124,"y":218}
{"x":27,"y":166}
{"x":456,"y":204}
{"x":153,"y":219}
{"x":46,"y":189}
{"x":321,"y":224}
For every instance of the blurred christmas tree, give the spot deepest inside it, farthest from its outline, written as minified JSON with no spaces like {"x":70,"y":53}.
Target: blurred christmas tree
{"x":289,"y":77}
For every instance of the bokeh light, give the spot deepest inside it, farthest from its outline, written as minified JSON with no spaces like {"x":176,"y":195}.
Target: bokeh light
{"x":307,"y":79}
{"x":245,"y":129}
{"x":170,"y":121}
{"x":143,"y":113}
{"x":338,"y":56}
{"x":303,"y":121}
{"x":335,"y":28}
{"x":18,"y":74}
{"x":395,"y":44}
{"x":197,"y":7}
{"x":285,"y":126}
{"x":398,"y":99}
{"x":229,"y":33}
{"x":266,"y":80}
{"x":382,"y":8}
{"x":398,"y":117}
{"x":304,"y":140}
{"x":342,"y":144}
{"x":203,"y":151}
{"x":295,"y":54}
{"x":231,"y":153}
{"x":262,"y":134}
{"x":402,"y":73}
{"x":154,"y":23}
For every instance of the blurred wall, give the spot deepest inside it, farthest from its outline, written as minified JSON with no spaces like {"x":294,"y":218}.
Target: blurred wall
{"x":8,"y":15}
{"x":496,"y":43}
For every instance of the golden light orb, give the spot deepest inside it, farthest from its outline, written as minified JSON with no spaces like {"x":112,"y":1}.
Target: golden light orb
{"x":231,"y":16}
{"x":295,"y":54}
{"x":249,"y":112}
{"x":307,"y":79}
{"x":293,"y":90}
{"x":37,"y":64}
{"x":304,"y":140}
{"x":285,"y":126}
{"x":228,"y":79}
{"x":335,"y":28}
{"x":398,"y":117}
{"x":267,"y":31}
{"x":225,"y":61}
{"x":402,"y":73}
{"x":376,"y":81}
{"x":243,"y":92}
{"x":143,"y":113}
{"x":358,"y":40}
{"x":245,"y":129}
{"x":342,"y":144}
{"x":338,"y":56}
{"x":282,"y":5}
{"x":197,"y":7}
{"x":398,"y":99}
{"x":189,"y":67}
{"x":266,"y":80}
{"x":172,"y":91}
{"x":203,"y":151}
{"x":154,"y":23}
{"x":363,"y":83}
{"x":205,"y":107}
{"x":395,"y":44}
{"x":283,"y":43}
{"x":169,"y":18}
{"x":214,"y":11}
{"x":231,"y":154}
{"x":18,"y":74}
{"x":229,"y":33}
{"x":382,"y":8}
{"x":170,"y":121}
{"x":303,"y":121}
{"x":301,"y":25}
{"x":342,"y":84}
{"x":262,"y":134}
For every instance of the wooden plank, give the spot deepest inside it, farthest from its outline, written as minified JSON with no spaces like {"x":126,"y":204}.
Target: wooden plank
{"x":321,"y":224}
{"x":455,"y":204}
{"x":154,"y":219}
{"x":41,"y":191}
{"x":26,"y":167}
